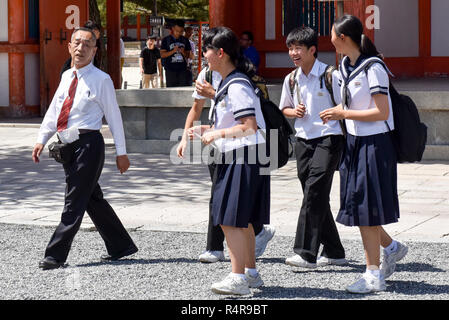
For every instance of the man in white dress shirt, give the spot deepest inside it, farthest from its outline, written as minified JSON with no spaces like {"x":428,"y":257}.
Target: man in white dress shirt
{"x":85,"y":94}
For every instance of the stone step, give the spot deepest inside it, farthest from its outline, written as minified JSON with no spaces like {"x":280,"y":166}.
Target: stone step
{"x":133,"y":45}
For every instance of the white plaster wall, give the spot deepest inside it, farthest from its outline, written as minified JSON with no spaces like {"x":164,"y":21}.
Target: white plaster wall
{"x":398,"y":35}
{"x":4,"y":80}
{"x":270,"y":19}
{"x":440,"y":28}
{"x":3,"y":20}
{"x":32,"y":92}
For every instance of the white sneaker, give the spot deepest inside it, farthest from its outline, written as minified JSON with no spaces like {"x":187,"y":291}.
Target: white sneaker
{"x":297,"y":261}
{"x":211,"y":256}
{"x":367,"y":283}
{"x":254,"y":282}
{"x":389,"y":260}
{"x":231,"y":285}
{"x":263,"y":238}
{"x":325,"y":261}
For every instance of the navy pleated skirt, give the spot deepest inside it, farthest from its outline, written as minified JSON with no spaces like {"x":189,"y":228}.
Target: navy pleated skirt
{"x":241,"y":193}
{"x":368,"y":182}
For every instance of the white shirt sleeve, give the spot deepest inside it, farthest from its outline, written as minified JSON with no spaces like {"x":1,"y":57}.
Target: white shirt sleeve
{"x":111,"y":110}
{"x":336,"y":86}
{"x":201,"y":78}
{"x":242,"y":100}
{"x":286,"y":96}
{"x":378,"y":79}
{"x":49,"y":125}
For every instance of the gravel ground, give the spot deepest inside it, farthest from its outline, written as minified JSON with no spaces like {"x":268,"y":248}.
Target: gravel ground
{"x":166,"y":268}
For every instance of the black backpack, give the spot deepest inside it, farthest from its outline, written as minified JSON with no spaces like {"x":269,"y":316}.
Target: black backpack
{"x":274,"y":120}
{"x":410,"y":134}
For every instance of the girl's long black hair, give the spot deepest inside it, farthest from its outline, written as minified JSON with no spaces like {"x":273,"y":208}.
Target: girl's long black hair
{"x":225,"y":38}
{"x":352,"y":27}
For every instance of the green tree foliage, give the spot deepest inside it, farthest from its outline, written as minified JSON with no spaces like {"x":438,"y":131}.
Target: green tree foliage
{"x":186,"y":9}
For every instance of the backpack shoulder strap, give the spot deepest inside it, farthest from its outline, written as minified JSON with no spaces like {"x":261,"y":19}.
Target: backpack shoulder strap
{"x":326,"y":78}
{"x":292,"y":81}
{"x":223,"y":89}
{"x":209,"y":76}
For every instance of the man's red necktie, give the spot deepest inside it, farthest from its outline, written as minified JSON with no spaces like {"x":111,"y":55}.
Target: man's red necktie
{"x":67,"y":105}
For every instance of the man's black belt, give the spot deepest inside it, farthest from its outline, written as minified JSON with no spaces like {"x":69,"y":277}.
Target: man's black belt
{"x":83,"y":131}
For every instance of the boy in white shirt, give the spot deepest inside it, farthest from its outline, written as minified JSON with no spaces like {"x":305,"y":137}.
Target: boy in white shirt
{"x":318,"y":151}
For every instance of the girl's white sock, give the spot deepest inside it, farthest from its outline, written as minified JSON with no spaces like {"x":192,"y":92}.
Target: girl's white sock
{"x":392,"y":247}
{"x":373,"y":270}
{"x":252,"y":272}
{"x":239,"y":275}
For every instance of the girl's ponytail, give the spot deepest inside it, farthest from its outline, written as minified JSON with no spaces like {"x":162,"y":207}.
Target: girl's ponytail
{"x":245,"y":66}
{"x":352,"y":27}
{"x":368,"y":48}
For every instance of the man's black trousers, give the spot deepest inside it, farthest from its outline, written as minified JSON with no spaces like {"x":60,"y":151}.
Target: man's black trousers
{"x":83,"y":193}
{"x":317,"y":160}
{"x":178,"y":78}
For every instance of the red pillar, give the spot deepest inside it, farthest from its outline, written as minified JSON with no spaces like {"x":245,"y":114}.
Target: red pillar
{"x":113,"y":33}
{"x":138,"y":27}
{"x":16,"y":35}
{"x":217,"y":10}
{"x":229,"y":13}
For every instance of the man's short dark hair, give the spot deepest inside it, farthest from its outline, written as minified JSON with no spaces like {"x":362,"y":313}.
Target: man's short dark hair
{"x":303,"y":36}
{"x":94,"y":38}
{"x":179,"y":23}
{"x":249,"y":34}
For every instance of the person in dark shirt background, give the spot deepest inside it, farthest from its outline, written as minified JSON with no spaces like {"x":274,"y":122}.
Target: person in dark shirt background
{"x":175,"y":50}
{"x":248,"y":50}
{"x":150,"y":62}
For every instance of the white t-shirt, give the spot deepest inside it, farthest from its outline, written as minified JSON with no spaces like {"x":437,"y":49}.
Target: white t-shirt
{"x":122,"y":48}
{"x":216,"y":79}
{"x":316,"y":98}
{"x":362,"y":87}
{"x":241,"y":101}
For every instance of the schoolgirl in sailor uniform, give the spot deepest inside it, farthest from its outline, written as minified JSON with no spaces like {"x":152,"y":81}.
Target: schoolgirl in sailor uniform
{"x":368,"y":170}
{"x":241,"y":195}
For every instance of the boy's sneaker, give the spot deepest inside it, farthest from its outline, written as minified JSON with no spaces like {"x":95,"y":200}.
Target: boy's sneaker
{"x":367,"y":283}
{"x":254,"y":282}
{"x":298,"y":261}
{"x":389,"y":260}
{"x":211,"y":256}
{"x":232,"y":285}
{"x":325,"y":261}
{"x":263,"y":238}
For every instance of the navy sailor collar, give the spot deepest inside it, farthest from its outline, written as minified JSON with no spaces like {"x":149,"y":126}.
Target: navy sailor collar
{"x":360,"y":66}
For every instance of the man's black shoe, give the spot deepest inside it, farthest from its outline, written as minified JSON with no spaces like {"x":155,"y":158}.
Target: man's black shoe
{"x":117,"y":256}
{"x":50,"y":263}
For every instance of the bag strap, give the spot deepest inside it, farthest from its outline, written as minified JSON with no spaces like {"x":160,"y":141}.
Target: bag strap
{"x":294,"y":84}
{"x":209,"y":75}
{"x":326,"y":78}
{"x":223,"y":91}
{"x":369,"y":64}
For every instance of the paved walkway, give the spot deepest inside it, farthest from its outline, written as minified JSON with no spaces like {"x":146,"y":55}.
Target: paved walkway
{"x":156,"y":194}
